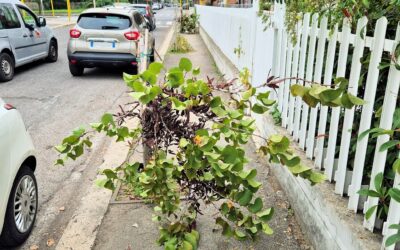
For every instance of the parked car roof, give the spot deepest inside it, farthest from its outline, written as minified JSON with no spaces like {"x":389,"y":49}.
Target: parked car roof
{"x":111,"y":10}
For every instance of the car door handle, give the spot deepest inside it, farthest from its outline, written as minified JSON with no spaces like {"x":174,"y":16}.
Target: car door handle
{"x":25,"y":35}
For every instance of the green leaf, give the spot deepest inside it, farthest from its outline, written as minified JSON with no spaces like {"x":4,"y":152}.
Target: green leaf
{"x":396,"y":166}
{"x":107,"y":118}
{"x":196,"y":71}
{"x":257,"y":108}
{"x":215,"y":102}
{"x":254,"y":184}
{"x":355,"y":100}
{"x":297,"y":90}
{"x":175,"y":77}
{"x":299,"y":168}
{"x":330,"y":95}
{"x":366,"y":132}
{"x":378,"y":181}
{"x":267,"y":229}
{"x":310,"y":100}
{"x":256,"y":206}
{"x":185,"y":64}
{"x":178,"y":105}
{"x":367,"y":192}
{"x":244,"y":197}
{"x":393,"y":239}
{"x":389,"y":144}
{"x":61,"y":148}
{"x":239,"y":235}
{"x":395,"y":194}
{"x":316,"y":177}
{"x":187,"y":245}
{"x":156,"y":67}
{"x":249,"y":93}
{"x":266,"y":215}
{"x":220,"y":112}
{"x":59,"y":162}
{"x":366,"y":3}
{"x":230,"y":154}
{"x":183,"y":142}
{"x":395,"y":226}
{"x":370,"y":211}
{"x":110,"y":174}
{"x":189,"y":237}
{"x":226,"y":229}
{"x":149,"y":77}
{"x":138,"y":86}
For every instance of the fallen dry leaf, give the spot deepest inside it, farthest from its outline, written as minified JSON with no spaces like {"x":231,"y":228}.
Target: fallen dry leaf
{"x":50,"y":242}
{"x":34,"y":247}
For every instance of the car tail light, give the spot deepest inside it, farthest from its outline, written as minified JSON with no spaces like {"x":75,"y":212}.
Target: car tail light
{"x":132,"y":35}
{"x":8,"y":106}
{"x":74,"y":33}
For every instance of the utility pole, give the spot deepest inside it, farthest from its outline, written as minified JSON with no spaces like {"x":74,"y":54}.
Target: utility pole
{"x":94,"y":3}
{"x":41,"y":8}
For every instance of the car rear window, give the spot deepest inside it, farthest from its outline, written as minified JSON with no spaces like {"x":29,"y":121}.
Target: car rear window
{"x":104,"y":21}
{"x":141,"y":10}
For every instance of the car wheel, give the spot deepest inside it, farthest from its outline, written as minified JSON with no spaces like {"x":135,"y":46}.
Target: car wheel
{"x":76,"y":70}
{"x":21,"y":209}
{"x":6,"y":67}
{"x":53,"y":52}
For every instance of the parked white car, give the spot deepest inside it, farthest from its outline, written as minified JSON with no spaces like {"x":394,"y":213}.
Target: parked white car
{"x":24,"y":38}
{"x":18,"y":188}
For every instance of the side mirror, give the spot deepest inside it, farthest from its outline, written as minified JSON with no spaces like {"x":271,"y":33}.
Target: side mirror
{"x":42,"y":21}
{"x":30,"y":27}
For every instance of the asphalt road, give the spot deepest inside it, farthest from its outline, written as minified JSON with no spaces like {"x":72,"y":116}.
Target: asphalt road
{"x":53,"y":103}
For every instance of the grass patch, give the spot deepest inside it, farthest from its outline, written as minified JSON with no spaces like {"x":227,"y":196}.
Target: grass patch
{"x":181,"y":45}
{"x":60,"y":12}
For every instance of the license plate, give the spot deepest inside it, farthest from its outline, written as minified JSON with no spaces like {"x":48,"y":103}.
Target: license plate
{"x":104,"y":45}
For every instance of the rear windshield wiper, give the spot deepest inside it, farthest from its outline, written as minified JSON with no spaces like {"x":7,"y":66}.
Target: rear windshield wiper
{"x":109,"y":27}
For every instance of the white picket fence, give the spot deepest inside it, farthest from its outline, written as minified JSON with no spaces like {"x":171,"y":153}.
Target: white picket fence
{"x":309,"y":53}
{"x":313,"y":58}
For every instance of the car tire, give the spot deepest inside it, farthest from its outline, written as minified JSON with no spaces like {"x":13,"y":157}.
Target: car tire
{"x":12,"y":234}
{"x":6,"y":67}
{"x":76,"y":70}
{"x":53,"y":52}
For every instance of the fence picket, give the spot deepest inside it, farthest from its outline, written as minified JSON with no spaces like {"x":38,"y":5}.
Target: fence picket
{"x":333,"y":127}
{"x":330,"y":59}
{"x":309,"y":74}
{"x":347,"y":130}
{"x":323,"y":32}
{"x":366,"y":115}
{"x":391,"y":96}
{"x":282,"y":68}
{"x":295,"y":68}
{"x":303,"y":52}
{"x":286,"y":84}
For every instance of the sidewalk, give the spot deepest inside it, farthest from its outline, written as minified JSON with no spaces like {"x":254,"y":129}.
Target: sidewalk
{"x":129,"y":226}
{"x":60,"y":21}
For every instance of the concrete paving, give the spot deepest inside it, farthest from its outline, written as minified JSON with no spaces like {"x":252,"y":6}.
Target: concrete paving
{"x":129,"y":226}
{"x":53,"y":103}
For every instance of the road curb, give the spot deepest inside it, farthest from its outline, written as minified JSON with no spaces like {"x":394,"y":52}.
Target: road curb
{"x":63,"y":25}
{"x":82,"y":229}
{"x":167,"y":42}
